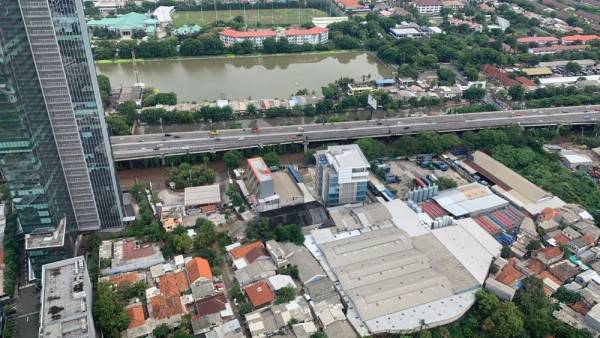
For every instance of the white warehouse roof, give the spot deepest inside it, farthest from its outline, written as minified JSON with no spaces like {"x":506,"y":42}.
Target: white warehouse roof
{"x":469,"y":199}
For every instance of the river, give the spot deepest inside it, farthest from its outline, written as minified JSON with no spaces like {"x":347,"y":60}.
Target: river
{"x":243,"y":77}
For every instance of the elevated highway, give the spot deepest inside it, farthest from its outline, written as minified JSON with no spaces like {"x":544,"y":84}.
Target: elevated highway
{"x":179,"y":143}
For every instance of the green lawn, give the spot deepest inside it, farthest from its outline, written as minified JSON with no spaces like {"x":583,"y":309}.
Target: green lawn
{"x":278,"y":16}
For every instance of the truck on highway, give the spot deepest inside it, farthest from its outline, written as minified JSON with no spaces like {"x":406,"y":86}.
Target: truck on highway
{"x":214,"y":133}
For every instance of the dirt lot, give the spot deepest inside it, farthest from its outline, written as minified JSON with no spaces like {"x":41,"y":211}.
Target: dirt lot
{"x":408,"y":170}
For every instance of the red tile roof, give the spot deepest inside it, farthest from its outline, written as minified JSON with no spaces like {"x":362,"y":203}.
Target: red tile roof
{"x":197,"y":268}
{"x":535,"y":265}
{"x":579,"y":37}
{"x":589,"y":239}
{"x":136,"y":316}
{"x":549,"y":213}
{"x":557,"y":48}
{"x":259,"y":294}
{"x":210,"y":305}
{"x":166,"y":306}
{"x":311,"y":31}
{"x":131,"y":252}
{"x":546,"y":274}
{"x":349,"y":4}
{"x":128,"y":278}
{"x":550,"y":252}
{"x":248,"y":34}
{"x":525,"y":81}
{"x":561,"y":239}
{"x":496,"y":74}
{"x":580,"y":307}
{"x":427,"y":2}
{"x":173,"y":284}
{"x":242,"y":251}
{"x":537,"y":39}
{"x":509,"y":274}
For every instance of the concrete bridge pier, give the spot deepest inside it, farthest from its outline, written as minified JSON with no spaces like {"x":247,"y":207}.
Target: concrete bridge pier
{"x":305,"y":144}
{"x":163,"y":162}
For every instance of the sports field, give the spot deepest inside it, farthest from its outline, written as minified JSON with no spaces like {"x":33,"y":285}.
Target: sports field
{"x":278,"y":16}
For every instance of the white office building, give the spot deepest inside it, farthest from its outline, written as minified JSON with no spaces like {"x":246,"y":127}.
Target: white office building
{"x":342,"y":174}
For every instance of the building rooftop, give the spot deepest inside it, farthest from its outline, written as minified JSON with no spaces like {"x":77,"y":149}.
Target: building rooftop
{"x":243,"y":250}
{"x":163,"y":306}
{"x":385,"y":272}
{"x":537,"y":39}
{"x":347,"y":156}
{"x":173,"y":284}
{"x":259,"y":169}
{"x":579,"y":37}
{"x":469,"y":199}
{"x":66,"y":300}
{"x":127,"y":21}
{"x":201,"y":195}
{"x":537,"y":71}
{"x":137,"y":316}
{"x":46,"y":237}
{"x":197,"y":268}
{"x":259,"y":294}
{"x":211,"y":305}
{"x":512,"y":185}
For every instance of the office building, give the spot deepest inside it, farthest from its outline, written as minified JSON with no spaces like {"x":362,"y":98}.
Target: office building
{"x":66,"y":299}
{"x":342,"y":174}
{"x":54,"y":148}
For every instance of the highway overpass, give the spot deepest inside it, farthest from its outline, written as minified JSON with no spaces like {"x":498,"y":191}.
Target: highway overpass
{"x":135,"y":147}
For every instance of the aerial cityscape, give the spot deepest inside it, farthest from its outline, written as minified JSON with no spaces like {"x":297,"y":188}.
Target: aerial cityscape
{"x":301,"y":169}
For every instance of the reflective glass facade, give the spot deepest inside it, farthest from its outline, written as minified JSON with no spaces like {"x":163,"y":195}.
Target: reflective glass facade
{"x":54,"y":150}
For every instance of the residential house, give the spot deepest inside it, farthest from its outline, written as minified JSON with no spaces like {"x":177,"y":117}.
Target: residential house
{"x":549,"y":255}
{"x":211,"y":312}
{"x":579,"y":245}
{"x":200,"y":276}
{"x":259,"y":294}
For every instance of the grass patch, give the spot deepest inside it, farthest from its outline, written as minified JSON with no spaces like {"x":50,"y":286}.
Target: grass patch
{"x":267,"y":16}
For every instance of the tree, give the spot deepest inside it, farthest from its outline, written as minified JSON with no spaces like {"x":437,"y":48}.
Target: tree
{"x":371,"y":148}
{"x":186,"y":175}
{"x":446,"y":76}
{"x":516,"y":93}
{"x":252,"y":110}
{"x":471,"y":73}
{"x":117,"y":125}
{"x":270,"y":46}
{"x":319,"y":334}
{"x":285,"y":295}
{"x":444,"y":183}
{"x":105,"y":89}
{"x":533,"y":245}
{"x":408,"y":70}
{"x":271,"y":159}
{"x":109,"y":311}
{"x":233,"y":158}
{"x":573,"y":67}
{"x":129,"y":110}
{"x":505,"y":252}
{"x":474,"y":93}
{"x":161,"y":331}
{"x":566,"y":296}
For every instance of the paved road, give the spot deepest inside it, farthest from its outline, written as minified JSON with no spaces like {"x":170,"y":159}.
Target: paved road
{"x":158,"y":145}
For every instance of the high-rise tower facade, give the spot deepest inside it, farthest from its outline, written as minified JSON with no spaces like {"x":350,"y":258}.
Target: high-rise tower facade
{"x":54,"y":148}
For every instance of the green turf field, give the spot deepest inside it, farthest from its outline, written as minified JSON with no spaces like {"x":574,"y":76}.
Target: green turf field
{"x":278,"y":16}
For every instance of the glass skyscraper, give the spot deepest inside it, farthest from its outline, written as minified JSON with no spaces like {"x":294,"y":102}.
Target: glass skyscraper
{"x":54,"y":148}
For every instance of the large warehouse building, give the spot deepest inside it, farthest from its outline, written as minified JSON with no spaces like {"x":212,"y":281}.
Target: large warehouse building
{"x":400,"y":276}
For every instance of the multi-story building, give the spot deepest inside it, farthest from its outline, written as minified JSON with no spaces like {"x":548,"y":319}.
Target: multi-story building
{"x":428,"y":7}
{"x":296,"y":36}
{"x":66,"y":299}
{"x":54,"y":147}
{"x":342,"y":174}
